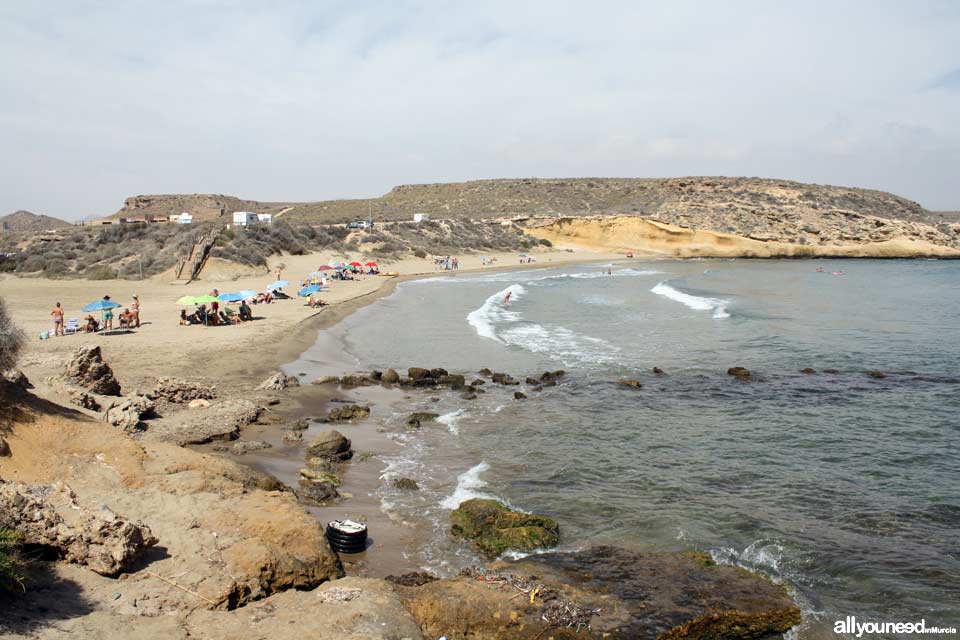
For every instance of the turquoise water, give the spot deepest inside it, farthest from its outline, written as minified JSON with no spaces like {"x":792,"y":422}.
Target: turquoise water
{"x":844,"y":486}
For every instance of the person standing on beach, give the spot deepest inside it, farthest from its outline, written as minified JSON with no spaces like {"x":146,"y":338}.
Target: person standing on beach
{"x":135,"y":310}
{"x":215,"y":305}
{"x":57,"y":315}
{"x":107,"y":323}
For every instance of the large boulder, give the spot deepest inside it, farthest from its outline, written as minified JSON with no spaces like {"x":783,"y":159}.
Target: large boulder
{"x":453,"y":380}
{"x":417,"y":418}
{"x":128,"y":414}
{"x":221,"y":420}
{"x":493,"y":528}
{"x":278,"y":382}
{"x":418,"y":373}
{"x":604,"y":592}
{"x":739,"y":373}
{"x":88,"y":370}
{"x":330,"y":445}
{"x":348,"y":413}
{"x":49,"y":517}
{"x":438,"y":372}
{"x":390,"y":376}
{"x":180,"y":391}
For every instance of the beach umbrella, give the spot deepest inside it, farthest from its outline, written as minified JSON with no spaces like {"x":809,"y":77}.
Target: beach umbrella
{"x":370,"y":264}
{"x":101,"y":305}
{"x":279,"y":284}
{"x":355,"y":264}
{"x":341,"y":267}
{"x":204,"y":299}
{"x":230,"y":297}
{"x":247,"y":293}
{"x":309,"y":291}
{"x":186,"y":301}
{"x":325,"y":267}
{"x":313,"y":274}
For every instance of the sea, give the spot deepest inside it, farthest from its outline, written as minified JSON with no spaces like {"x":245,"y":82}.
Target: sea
{"x":842,"y":484}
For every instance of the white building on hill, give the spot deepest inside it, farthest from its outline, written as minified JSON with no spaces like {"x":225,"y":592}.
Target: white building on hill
{"x":243,"y":218}
{"x":421,"y":217}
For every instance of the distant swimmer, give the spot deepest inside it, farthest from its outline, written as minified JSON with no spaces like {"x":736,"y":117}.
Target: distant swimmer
{"x":836,"y":273}
{"x":506,"y":298}
{"x":821,"y":270}
{"x":609,"y":272}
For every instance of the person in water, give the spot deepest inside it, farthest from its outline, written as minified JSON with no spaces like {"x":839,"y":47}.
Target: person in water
{"x":506,"y":298}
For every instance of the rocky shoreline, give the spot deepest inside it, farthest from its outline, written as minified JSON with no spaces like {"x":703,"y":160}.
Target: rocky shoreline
{"x":202,"y":545}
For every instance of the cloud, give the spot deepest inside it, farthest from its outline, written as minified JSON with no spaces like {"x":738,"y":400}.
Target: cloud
{"x":307,"y":101}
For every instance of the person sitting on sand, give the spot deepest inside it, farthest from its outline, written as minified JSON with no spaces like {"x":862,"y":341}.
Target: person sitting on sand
{"x":126,"y":319}
{"x":184,"y":318}
{"x":90,"y":324}
{"x":245,"y":313}
{"x":57,"y":315}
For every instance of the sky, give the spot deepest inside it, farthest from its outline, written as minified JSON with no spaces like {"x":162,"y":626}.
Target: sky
{"x":302,"y":101}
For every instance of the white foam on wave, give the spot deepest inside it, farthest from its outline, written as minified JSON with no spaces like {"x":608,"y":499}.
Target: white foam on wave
{"x":559,"y":342}
{"x":533,"y":276}
{"x":451,"y":420}
{"x":717,"y":305}
{"x":468,"y":486}
{"x":494,"y":311}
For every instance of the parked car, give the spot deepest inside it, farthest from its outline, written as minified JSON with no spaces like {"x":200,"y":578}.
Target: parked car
{"x":360,"y":224}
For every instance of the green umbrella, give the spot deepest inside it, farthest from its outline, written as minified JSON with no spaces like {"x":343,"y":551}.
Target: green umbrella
{"x":186,"y":300}
{"x":204,"y":299}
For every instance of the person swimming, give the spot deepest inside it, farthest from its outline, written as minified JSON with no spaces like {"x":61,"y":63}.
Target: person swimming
{"x":506,"y":298}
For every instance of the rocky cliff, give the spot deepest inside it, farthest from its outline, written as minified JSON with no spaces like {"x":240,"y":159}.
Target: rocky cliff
{"x":754,"y":210}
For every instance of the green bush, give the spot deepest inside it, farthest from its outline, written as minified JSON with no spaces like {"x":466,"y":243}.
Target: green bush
{"x":11,"y":339}
{"x":11,"y":565}
{"x":545,"y":242}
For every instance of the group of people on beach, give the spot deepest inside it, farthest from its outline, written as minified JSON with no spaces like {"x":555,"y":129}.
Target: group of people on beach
{"x":214,"y":316}
{"x":445,"y":263}
{"x":129,"y":318}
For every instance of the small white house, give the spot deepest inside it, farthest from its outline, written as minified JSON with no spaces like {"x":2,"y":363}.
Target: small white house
{"x":265,"y":218}
{"x":184,"y":218}
{"x":421,"y":217}
{"x":243,"y":218}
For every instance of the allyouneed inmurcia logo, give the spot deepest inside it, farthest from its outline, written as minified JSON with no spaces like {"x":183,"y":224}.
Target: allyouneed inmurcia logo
{"x":850,"y":626}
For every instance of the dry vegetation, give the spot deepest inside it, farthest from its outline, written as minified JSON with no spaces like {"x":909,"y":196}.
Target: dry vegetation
{"x":129,"y":251}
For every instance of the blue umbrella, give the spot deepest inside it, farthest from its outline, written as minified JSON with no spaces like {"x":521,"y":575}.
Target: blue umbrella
{"x":309,"y":291}
{"x":230,"y":297}
{"x":279,"y":284}
{"x":247,"y":293}
{"x":100,"y":305}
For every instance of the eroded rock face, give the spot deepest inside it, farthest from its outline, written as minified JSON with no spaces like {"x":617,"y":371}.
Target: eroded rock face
{"x":493,"y":528}
{"x":278,"y":382}
{"x":330,"y":445}
{"x":49,"y":516}
{"x":348,"y":413}
{"x":88,"y":370}
{"x":242,"y":448}
{"x":222,"y":420}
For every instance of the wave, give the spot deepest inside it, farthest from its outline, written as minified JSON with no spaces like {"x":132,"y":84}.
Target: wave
{"x":494,"y":311}
{"x":559,"y":342}
{"x":717,"y":305}
{"x":468,"y":484}
{"x":451,"y":420}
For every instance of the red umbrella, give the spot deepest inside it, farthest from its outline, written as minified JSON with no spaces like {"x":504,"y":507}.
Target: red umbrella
{"x":355,"y":264}
{"x":370,"y":264}
{"x":325,"y":267}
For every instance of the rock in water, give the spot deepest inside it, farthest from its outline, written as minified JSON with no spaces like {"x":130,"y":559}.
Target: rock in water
{"x":292,"y":437}
{"x":630,"y":382}
{"x":405,"y":484}
{"x":331,"y":445}
{"x":414,"y":420}
{"x":241,"y":448}
{"x":49,"y":517}
{"x":88,"y":370}
{"x":877,"y":375}
{"x":438,"y":373}
{"x":739,"y":372}
{"x":454,"y":380}
{"x":493,"y":528}
{"x":348,"y":413}
{"x":278,"y":382}
{"x":808,"y":371}
{"x":519,"y":395}
{"x":657,"y":371}
{"x":418,"y":373}
{"x":390,"y":376}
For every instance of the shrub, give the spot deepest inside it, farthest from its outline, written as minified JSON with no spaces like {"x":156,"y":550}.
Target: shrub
{"x":11,"y":340}
{"x":545,"y":242}
{"x":11,"y":565}
{"x":420,"y":253}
